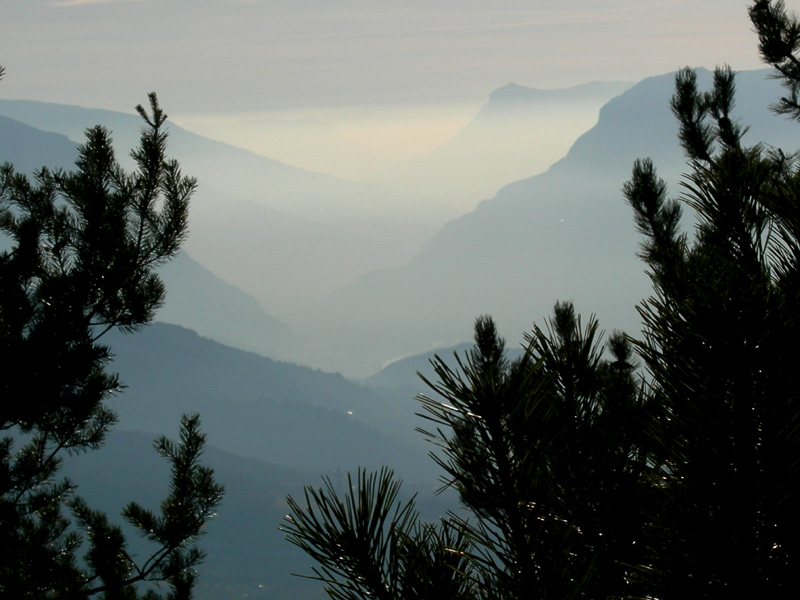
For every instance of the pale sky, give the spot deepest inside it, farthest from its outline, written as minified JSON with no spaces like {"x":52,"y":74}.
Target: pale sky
{"x":257,"y":55}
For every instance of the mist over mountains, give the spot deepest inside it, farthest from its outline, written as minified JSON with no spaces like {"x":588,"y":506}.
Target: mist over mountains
{"x":261,"y":408}
{"x":519,"y":132}
{"x":201,"y":301}
{"x":319,"y":232}
{"x":285,"y":267}
{"x":31,"y":148}
{"x":347,"y":276}
{"x":566,"y":234}
{"x":272,"y":428}
{"x":289,"y":237}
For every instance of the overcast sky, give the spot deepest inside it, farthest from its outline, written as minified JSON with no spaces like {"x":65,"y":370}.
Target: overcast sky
{"x":245,"y":55}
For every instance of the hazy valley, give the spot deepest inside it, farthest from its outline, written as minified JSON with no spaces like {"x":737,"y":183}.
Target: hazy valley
{"x":303,"y":304}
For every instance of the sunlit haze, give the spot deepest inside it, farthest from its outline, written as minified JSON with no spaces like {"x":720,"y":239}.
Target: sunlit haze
{"x":299,"y":81}
{"x":396,"y":148}
{"x":349,"y":142}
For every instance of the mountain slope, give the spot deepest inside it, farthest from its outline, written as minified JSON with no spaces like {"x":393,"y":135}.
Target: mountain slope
{"x":282,"y":413}
{"x":196,"y":298}
{"x":519,"y":132}
{"x":28,"y":148}
{"x":199,"y":300}
{"x":563,"y":235}
{"x":239,"y":172}
{"x":246,"y":554}
{"x":285,"y":235}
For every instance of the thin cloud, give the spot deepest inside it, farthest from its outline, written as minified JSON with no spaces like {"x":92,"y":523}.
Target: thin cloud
{"x":87,"y":2}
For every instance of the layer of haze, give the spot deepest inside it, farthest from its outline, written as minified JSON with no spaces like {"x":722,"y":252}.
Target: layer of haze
{"x":365,"y":90}
{"x":354,"y":88}
{"x":226,"y":56}
{"x":349,"y":142}
{"x":381,"y":144}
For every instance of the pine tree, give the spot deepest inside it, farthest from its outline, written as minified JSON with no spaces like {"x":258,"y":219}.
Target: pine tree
{"x":542,"y":456}
{"x":718,"y":341}
{"x":550,"y":466}
{"x":82,"y":249}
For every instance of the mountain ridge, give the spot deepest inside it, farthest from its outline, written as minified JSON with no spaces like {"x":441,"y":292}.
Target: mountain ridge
{"x":257,"y":407}
{"x":515,"y":134}
{"x":360,"y":243}
{"x":565,"y":234}
{"x":292,"y":189}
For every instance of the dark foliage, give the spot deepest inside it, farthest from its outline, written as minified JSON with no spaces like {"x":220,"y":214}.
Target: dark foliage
{"x":369,"y":544}
{"x":542,"y":455}
{"x":718,"y":343}
{"x":83,"y":246}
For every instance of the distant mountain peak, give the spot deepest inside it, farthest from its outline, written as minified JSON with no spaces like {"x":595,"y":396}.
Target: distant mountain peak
{"x":514,"y":93}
